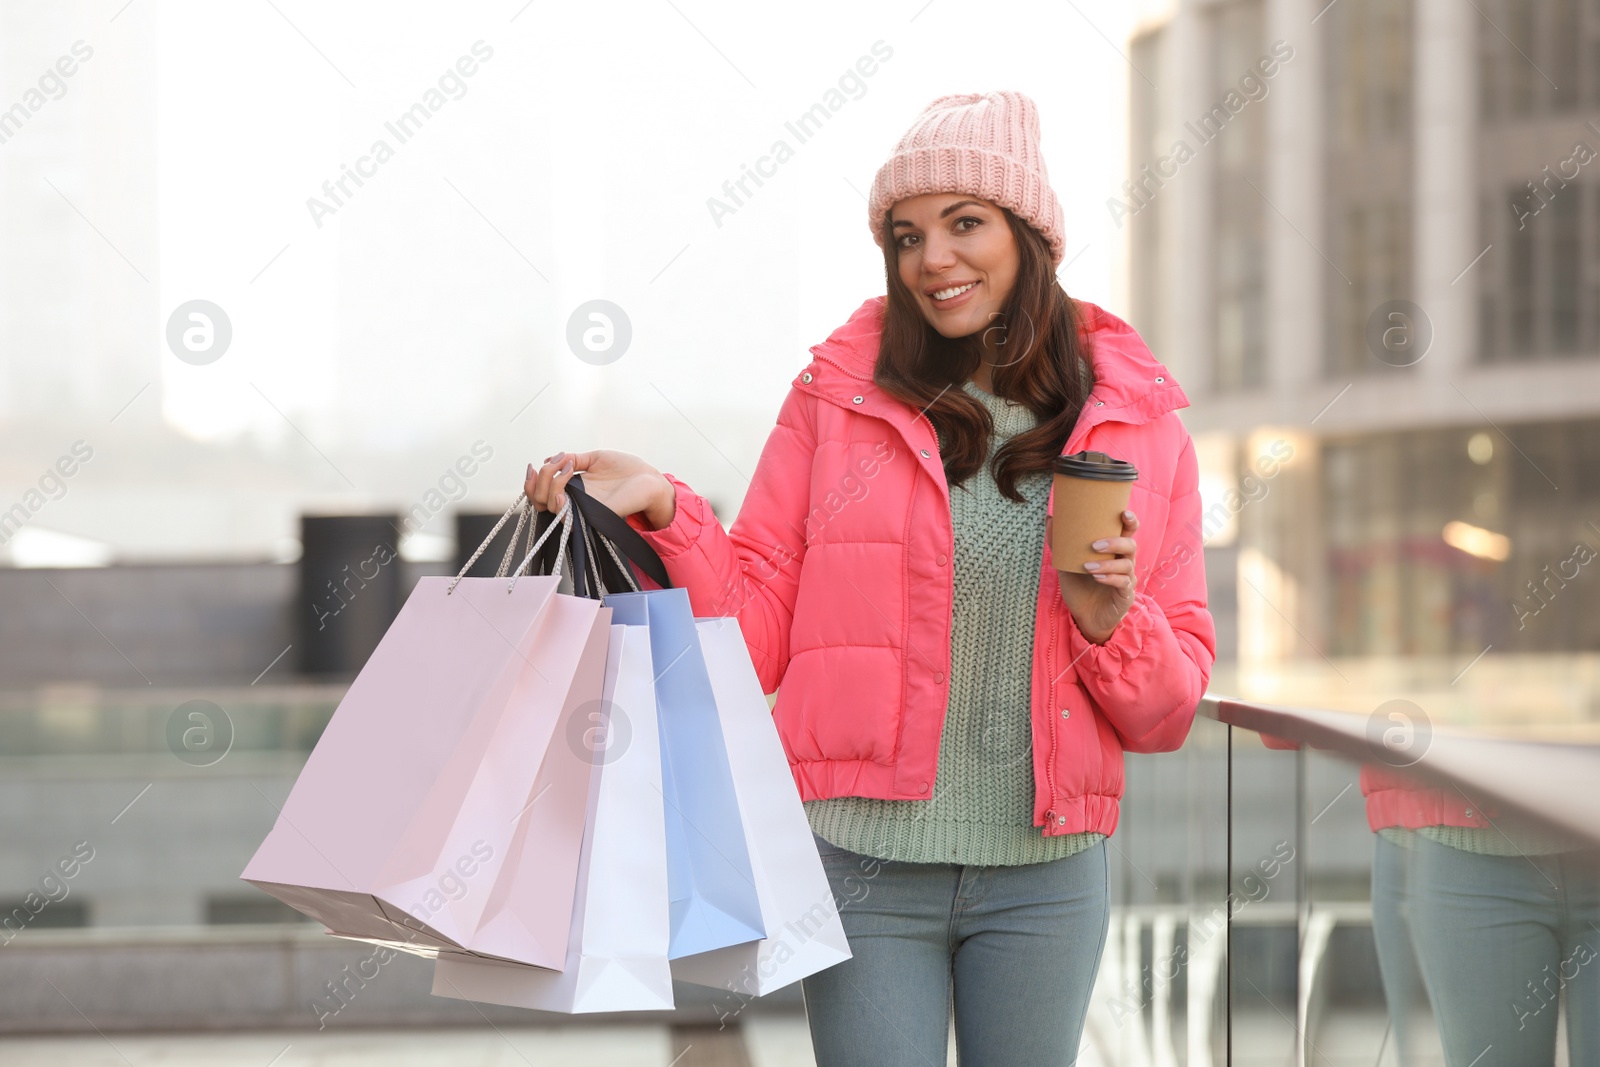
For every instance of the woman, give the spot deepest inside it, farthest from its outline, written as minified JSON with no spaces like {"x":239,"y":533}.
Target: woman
{"x":954,"y":708}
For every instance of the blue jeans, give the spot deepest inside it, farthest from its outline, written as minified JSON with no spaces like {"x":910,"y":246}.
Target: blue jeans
{"x":1014,"y":949}
{"x":1403,"y":990}
{"x":1502,"y":940}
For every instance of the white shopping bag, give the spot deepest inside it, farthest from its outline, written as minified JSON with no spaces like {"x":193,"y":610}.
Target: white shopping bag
{"x":617,"y":950}
{"x":797,"y":905}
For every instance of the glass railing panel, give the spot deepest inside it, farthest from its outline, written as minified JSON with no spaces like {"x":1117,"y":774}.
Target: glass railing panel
{"x":1450,"y":889}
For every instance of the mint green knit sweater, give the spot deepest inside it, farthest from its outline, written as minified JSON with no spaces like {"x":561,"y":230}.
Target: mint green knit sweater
{"x":981,"y":809}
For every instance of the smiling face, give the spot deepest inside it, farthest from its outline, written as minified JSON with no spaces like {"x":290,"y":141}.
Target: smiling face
{"x":957,"y":257}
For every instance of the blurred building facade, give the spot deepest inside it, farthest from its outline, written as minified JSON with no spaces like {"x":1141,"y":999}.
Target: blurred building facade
{"x":1366,"y":237}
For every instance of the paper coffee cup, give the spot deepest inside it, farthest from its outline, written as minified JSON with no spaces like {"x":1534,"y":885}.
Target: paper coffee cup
{"x":1091,"y":493}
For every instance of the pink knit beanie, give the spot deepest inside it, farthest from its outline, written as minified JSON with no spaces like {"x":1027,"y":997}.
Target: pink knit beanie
{"x":982,"y":144}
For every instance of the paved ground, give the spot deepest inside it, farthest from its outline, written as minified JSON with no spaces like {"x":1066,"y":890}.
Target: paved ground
{"x":1260,"y":1040}
{"x":780,"y":1042}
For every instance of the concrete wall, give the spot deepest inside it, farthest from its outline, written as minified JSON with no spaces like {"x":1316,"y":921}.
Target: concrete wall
{"x":162,"y":625}
{"x":261,"y":978}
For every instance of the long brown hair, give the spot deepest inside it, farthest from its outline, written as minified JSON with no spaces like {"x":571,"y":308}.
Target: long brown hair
{"x":1052,"y":374}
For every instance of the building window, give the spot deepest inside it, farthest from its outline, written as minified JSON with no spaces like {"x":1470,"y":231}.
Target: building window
{"x":1479,"y":548}
{"x":1374,"y":251}
{"x":1540,"y":299}
{"x":1367,"y":229}
{"x":1238,"y":40}
{"x":1150,"y":140}
{"x":1537,"y":58}
{"x":1369,"y":70}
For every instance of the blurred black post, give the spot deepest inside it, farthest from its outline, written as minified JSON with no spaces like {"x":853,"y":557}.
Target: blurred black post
{"x":471,"y":529}
{"x":349,"y":589}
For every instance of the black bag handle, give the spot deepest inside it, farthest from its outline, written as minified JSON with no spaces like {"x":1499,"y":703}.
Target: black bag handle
{"x":607,"y":524}
{"x":600,"y":525}
{"x":602,"y":566}
{"x":579,"y":545}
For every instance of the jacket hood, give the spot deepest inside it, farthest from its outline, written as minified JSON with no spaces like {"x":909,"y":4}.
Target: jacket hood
{"x":1130,"y":383}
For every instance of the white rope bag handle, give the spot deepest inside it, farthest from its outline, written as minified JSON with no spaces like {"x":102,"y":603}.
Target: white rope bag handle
{"x":521,"y":510}
{"x":565,"y":515}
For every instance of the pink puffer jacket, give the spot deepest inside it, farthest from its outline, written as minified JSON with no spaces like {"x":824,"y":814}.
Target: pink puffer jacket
{"x":838,"y":569}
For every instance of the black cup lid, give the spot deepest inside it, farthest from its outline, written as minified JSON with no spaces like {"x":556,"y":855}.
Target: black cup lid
{"x":1096,"y":466}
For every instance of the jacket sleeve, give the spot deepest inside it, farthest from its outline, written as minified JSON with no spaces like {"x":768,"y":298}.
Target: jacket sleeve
{"x":751,"y":571}
{"x":1149,"y":676}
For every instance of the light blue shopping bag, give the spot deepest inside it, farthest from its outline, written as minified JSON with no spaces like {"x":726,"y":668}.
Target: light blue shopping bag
{"x":710,"y":887}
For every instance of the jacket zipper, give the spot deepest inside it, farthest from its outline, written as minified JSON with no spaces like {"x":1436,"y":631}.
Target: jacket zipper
{"x":1050,"y":708}
{"x":1050,"y":688}
{"x":835,"y":363}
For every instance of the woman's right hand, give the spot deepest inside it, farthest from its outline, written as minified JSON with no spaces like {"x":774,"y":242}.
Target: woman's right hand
{"x":621,"y":481}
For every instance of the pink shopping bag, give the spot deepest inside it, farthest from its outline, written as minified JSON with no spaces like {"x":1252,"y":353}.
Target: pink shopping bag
{"x":446,"y":774}
{"x":617,"y":956}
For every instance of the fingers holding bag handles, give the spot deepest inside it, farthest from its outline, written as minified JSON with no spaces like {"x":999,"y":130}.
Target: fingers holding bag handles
{"x":622,"y":481}
{"x":599,"y":542}
{"x":601,"y":546}
{"x":615,"y":540}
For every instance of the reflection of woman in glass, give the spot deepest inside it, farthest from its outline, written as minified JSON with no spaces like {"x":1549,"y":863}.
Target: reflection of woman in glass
{"x":1504,"y":917}
{"x":1393,"y":810}
{"x":953,"y":707}
{"x":1390,"y":799}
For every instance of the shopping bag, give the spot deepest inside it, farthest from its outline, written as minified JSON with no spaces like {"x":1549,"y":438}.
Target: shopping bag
{"x":796,"y":900}
{"x":713,"y":898}
{"x":617,"y":950}
{"x":444,"y":778}
{"x":711,"y":890}
{"x":804,"y":934}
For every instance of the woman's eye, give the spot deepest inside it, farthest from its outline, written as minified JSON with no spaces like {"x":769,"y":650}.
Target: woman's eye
{"x":969,"y":218}
{"x":906,"y":237}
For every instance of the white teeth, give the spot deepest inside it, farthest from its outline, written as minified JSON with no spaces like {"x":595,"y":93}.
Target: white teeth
{"x":946,"y":294}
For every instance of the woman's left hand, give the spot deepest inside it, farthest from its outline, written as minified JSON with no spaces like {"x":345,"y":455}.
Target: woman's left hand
{"x":1099,"y":599}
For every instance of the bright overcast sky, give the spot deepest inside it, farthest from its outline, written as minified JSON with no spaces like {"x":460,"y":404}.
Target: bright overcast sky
{"x":574,"y":163}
